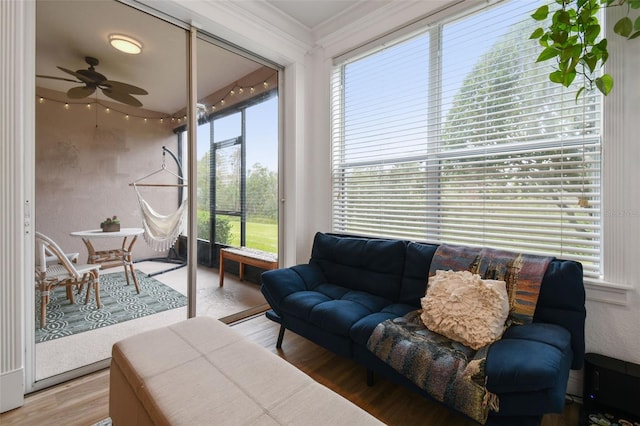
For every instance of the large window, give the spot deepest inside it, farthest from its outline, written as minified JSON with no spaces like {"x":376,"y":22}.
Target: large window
{"x":455,"y":135}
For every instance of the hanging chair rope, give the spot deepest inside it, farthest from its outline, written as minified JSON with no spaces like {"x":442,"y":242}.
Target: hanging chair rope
{"x":161,"y":231}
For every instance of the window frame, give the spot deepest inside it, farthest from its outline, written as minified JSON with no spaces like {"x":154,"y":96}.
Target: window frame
{"x":435,"y":102}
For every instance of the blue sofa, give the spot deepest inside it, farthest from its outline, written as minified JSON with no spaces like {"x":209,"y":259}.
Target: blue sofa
{"x":351,"y":284}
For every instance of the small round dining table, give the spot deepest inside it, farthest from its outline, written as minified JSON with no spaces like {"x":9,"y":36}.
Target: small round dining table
{"x":113,"y":257}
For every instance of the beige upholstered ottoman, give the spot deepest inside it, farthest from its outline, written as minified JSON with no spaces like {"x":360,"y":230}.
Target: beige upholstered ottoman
{"x":201,"y":372}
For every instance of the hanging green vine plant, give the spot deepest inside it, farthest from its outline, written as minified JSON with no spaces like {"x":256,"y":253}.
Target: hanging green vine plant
{"x":572,"y":38}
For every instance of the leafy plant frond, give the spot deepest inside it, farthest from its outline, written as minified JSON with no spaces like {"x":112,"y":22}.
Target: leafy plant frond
{"x":572,"y":38}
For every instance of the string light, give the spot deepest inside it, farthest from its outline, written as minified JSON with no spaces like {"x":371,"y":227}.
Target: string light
{"x":235,"y":89}
{"x":107,"y":110}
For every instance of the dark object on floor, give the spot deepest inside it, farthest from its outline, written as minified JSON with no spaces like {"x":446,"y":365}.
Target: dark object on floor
{"x":611,"y":391}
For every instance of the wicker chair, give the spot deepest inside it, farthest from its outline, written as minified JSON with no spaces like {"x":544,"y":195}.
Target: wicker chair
{"x":64,"y":272}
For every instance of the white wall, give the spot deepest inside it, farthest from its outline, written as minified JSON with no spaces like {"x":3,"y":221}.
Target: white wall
{"x":613,"y":329}
{"x":83,"y":162}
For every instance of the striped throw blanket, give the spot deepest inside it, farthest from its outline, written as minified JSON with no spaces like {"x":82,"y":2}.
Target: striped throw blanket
{"x":447,"y":370}
{"x":522,"y":273}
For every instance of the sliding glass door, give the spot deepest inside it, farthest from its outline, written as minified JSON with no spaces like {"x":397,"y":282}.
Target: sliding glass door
{"x":237,"y":161}
{"x":94,"y":141}
{"x":104,"y":119}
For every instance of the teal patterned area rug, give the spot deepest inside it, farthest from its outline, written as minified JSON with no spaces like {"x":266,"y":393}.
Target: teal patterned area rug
{"x":120,"y":303}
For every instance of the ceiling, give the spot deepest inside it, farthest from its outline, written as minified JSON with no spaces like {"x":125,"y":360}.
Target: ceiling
{"x":68,"y":31}
{"x":313,"y":13}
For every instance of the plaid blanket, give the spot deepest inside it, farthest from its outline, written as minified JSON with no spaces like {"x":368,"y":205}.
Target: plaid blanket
{"x":447,"y":370}
{"x":450,"y":372}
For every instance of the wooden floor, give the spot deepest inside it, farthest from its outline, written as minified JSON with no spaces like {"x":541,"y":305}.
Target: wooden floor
{"x":84,"y":401}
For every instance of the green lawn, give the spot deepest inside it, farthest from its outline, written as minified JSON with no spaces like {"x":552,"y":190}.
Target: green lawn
{"x":260,"y":236}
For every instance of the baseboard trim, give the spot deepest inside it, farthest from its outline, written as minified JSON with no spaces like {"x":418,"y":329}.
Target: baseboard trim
{"x":247,"y":313}
{"x":12,"y":390}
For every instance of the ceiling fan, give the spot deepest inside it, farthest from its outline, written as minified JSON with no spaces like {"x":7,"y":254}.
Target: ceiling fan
{"x":92,"y":79}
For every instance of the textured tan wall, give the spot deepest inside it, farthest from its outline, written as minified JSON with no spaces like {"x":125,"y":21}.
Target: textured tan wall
{"x":83,"y":171}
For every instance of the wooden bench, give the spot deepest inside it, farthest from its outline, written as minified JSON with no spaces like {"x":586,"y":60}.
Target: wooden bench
{"x":248,"y":256}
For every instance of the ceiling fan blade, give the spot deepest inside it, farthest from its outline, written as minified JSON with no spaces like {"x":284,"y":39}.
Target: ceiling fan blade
{"x":58,"y":78}
{"x":80,"y":92}
{"x":82,"y":78}
{"x":122,"y":97}
{"x":118,"y":86}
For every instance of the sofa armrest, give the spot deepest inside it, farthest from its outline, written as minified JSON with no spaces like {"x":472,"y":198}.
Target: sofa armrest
{"x":528,"y":358}
{"x":279,"y":283}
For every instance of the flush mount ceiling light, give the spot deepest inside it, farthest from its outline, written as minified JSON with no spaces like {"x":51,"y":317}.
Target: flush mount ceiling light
{"x":125,"y":44}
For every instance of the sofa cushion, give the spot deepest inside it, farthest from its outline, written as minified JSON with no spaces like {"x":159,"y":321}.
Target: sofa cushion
{"x":416,"y":270}
{"x":279,"y":283}
{"x":361,"y":330}
{"x":332,"y":307}
{"x":301,"y":304}
{"x":550,"y":334}
{"x":338,"y":316}
{"x":373,"y":266}
{"x":332,"y":291}
{"x":529,"y":357}
{"x":562,"y":301}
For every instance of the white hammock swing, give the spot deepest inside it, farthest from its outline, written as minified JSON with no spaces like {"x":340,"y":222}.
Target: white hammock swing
{"x":161,"y":231}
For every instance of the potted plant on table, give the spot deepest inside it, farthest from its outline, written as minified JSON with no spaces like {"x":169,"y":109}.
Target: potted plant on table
{"x":111,"y":224}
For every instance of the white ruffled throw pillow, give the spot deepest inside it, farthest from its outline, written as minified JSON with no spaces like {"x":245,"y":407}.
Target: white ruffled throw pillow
{"x":465,"y":308}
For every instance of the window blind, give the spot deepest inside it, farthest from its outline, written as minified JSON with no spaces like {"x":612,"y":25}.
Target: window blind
{"x":455,"y":135}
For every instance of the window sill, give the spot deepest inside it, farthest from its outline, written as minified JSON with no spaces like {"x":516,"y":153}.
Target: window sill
{"x":607,"y":292}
